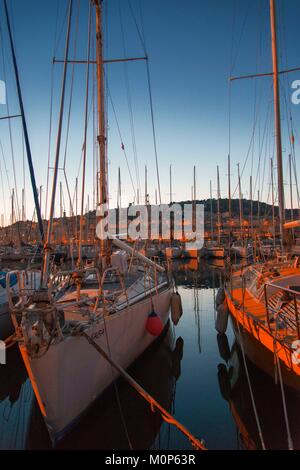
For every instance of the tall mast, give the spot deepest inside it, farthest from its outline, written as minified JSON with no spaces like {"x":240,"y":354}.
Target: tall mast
{"x":12,"y":208}
{"x":195,"y":192}
{"x":119,"y":189}
{"x":219,"y":212}
{"x":101,"y":111}
{"x":57,"y":153}
{"x":277,"y":119}
{"x":291,"y":190}
{"x":24,"y":124}
{"x":87,"y":80}
{"x":170,"y":184}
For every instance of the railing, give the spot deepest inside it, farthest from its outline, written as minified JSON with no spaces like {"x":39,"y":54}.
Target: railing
{"x":291,"y":296}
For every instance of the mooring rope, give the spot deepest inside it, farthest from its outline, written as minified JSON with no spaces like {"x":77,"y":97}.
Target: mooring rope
{"x":153,"y":403}
{"x":248,"y":376}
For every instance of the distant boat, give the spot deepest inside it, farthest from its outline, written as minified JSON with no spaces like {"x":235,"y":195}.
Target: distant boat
{"x":214,"y":250}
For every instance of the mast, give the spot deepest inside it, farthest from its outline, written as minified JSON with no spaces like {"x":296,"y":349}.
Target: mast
{"x":119,"y":189}
{"x":219,"y":212}
{"x":61,"y":211}
{"x":101,"y":112}
{"x":291,"y":190}
{"x":27,"y":144}
{"x":195,"y":194}
{"x":87,"y":80}
{"x":277,"y":119}
{"x":170,"y":184}
{"x":57,"y":153}
{"x":12,"y":211}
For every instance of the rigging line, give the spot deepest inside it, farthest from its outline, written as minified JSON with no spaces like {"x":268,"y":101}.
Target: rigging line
{"x":121,"y":139}
{"x":93,"y":123}
{"x":229,"y":83}
{"x":51,"y":111}
{"x":5,"y":167}
{"x":150,"y":99}
{"x":261,"y":144}
{"x":240,"y":37}
{"x":287,"y":424}
{"x":257,"y":92}
{"x":232,"y":35}
{"x":72,"y":85}
{"x":85,"y":137}
{"x":115,"y":384}
{"x":251,"y":142}
{"x":247,"y":372}
{"x":9,"y":125}
{"x":2,"y":185}
{"x":57,"y":153}
{"x":265,"y":157}
{"x":59,"y":36}
{"x":129,"y":102}
{"x":142,"y":38}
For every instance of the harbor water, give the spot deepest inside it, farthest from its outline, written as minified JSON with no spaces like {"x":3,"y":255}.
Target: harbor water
{"x":198,"y":375}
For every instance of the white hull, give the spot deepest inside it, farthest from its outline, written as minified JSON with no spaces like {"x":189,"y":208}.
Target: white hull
{"x":72,"y":374}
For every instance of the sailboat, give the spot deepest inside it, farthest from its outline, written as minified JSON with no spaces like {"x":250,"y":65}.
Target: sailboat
{"x":264,"y":298}
{"x":213,"y":248}
{"x":122,"y":307}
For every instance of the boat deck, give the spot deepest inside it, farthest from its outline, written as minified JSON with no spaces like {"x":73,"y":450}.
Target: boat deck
{"x":280,"y":316}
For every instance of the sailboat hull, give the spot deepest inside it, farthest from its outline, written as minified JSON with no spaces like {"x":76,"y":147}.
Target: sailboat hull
{"x":72,"y":374}
{"x":259,"y":346}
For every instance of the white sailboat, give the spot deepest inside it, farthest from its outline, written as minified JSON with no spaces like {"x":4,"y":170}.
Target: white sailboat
{"x":121,"y":307}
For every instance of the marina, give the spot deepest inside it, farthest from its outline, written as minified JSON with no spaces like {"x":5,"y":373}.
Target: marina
{"x":148,"y":302}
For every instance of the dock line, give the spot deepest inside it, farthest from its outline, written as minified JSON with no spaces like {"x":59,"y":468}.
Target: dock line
{"x":153,"y":403}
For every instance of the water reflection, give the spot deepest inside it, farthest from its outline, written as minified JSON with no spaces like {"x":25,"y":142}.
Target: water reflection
{"x":267,"y":397}
{"x":199,"y":377}
{"x":120,"y":418}
{"x":15,"y":401}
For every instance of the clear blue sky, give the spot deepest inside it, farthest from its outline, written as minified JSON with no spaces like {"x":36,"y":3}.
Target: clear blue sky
{"x":192,"y":45}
